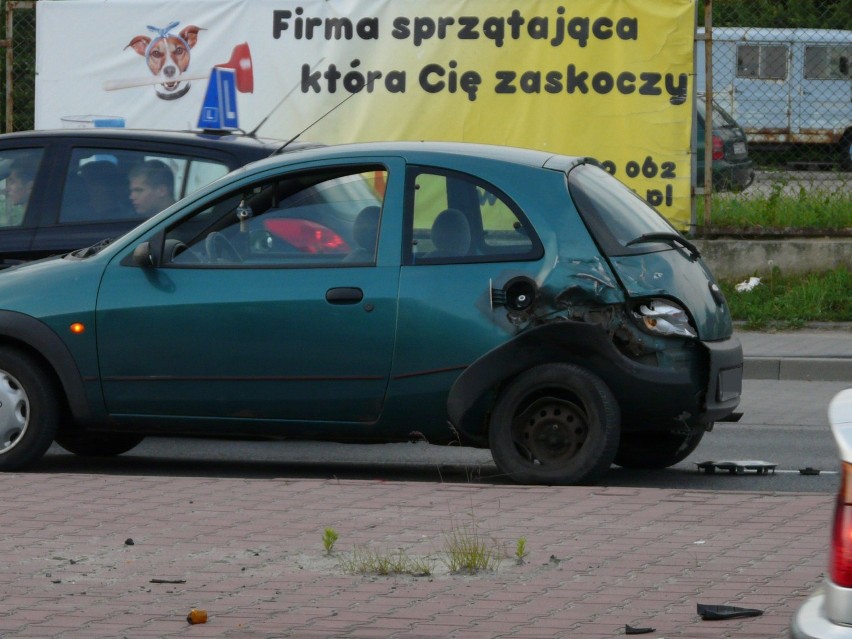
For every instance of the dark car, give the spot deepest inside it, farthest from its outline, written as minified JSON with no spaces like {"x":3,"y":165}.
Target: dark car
{"x":488,"y":296}
{"x":732,"y":168}
{"x":66,"y":189}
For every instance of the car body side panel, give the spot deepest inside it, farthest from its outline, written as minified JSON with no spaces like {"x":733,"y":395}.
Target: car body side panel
{"x":449,"y":306}
{"x":245,"y":343}
{"x":48,"y":300}
{"x":28,"y":334}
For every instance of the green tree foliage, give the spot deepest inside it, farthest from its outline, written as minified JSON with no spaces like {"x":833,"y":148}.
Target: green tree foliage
{"x":823,"y":14}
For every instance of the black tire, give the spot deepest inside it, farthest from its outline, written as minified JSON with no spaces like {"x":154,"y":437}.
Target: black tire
{"x":656,"y":449}
{"x":555,"y":424}
{"x":95,"y":444}
{"x":29,"y":410}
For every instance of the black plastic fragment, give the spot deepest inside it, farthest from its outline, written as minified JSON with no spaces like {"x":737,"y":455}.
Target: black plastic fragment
{"x":715,"y":613}
{"x":738,"y":467}
{"x":809,"y":471}
{"x":630,"y":630}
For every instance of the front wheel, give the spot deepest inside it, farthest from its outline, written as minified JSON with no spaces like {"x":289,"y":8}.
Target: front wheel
{"x":555,"y":424}
{"x":657,"y":449}
{"x":29,"y":410}
{"x":94,"y":444}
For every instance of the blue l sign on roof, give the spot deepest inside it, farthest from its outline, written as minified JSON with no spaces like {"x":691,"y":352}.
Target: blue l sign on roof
{"x":219,"y":110}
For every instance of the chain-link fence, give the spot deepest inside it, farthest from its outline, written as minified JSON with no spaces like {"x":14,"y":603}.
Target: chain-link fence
{"x":18,"y":65}
{"x":780,"y":70}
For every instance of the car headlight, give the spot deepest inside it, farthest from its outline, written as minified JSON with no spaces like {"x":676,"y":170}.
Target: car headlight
{"x":665,"y":318}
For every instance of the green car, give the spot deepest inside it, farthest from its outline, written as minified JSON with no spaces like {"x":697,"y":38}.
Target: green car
{"x":488,"y":296}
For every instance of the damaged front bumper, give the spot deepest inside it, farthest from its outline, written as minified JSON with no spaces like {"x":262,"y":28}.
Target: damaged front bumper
{"x":725,"y":379}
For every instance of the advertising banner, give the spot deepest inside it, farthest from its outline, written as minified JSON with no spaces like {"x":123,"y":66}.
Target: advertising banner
{"x":610,"y":79}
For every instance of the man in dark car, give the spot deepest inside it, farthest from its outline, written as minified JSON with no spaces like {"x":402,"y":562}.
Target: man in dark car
{"x":152,"y":187}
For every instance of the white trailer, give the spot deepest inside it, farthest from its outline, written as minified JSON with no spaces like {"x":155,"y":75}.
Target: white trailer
{"x":785,"y":86}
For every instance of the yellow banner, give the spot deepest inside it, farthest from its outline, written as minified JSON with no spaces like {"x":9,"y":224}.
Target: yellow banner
{"x":602,"y":78}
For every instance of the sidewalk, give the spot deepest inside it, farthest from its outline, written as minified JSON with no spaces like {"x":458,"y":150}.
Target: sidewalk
{"x":114,"y":556}
{"x":814,"y":354}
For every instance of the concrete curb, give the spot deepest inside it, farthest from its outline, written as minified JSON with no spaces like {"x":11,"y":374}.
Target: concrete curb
{"x":809,"y":369}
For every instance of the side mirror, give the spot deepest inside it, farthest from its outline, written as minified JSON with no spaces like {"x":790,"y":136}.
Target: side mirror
{"x":149,"y":254}
{"x":142,"y":255}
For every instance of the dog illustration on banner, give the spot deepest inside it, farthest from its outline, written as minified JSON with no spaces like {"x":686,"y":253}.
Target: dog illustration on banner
{"x":167,"y":55}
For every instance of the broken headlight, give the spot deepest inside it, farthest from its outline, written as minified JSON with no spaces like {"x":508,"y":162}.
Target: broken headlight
{"x":663,"y":317}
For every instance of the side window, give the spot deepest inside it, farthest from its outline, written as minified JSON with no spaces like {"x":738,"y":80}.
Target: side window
{"x":455,"y":218}
{"x":18,"y":169}
{"x":827,"y":62}
{"x":763,"y":61}
{"x":199,"y":173}
{"x":117,"y":184}
{"x":316,"y":219}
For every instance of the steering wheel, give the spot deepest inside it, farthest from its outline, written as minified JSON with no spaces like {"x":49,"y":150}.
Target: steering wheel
{"x":220,"y":249}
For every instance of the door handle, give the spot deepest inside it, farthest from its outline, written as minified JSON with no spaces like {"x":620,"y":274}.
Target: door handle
{"x":344,"y":295}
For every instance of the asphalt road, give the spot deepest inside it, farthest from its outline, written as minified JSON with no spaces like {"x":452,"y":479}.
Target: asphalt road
{"x":784,"y":423}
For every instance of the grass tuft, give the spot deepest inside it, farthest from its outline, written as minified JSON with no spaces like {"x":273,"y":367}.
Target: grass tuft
{"x":367,"y":561}
{"x":466,"y":550}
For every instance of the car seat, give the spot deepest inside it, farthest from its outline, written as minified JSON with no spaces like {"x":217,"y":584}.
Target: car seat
{"x":450,"y":234}
{"x":365,"y":233}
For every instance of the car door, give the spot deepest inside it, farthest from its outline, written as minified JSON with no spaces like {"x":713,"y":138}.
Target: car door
{"x":257,"y":311}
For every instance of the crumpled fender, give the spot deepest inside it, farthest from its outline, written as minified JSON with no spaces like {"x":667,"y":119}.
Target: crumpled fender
{"x":586,"y":345}
{"x":557,"y":341}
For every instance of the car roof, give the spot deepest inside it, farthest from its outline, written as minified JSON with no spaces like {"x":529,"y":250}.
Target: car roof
{"x":208,"y":139}
{"x":425,"y":151}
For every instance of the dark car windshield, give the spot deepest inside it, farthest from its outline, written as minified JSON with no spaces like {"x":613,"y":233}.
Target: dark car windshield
{"x":614,"y":213}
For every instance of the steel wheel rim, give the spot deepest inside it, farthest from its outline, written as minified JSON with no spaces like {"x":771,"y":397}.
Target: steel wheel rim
{"x":14,"y":412}
{"x":551,"y":431}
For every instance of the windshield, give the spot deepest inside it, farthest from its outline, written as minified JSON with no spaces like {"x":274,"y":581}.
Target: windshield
{"x":614,"y":213}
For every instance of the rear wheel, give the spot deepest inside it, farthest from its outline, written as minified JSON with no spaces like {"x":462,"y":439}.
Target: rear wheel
{"x":29,"y":410}
{"x":555,"y":424}
{"x":656,"y":449}
{"x":94,"y":444}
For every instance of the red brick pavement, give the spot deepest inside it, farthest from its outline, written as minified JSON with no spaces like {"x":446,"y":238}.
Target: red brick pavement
{"x":251,"y":555}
